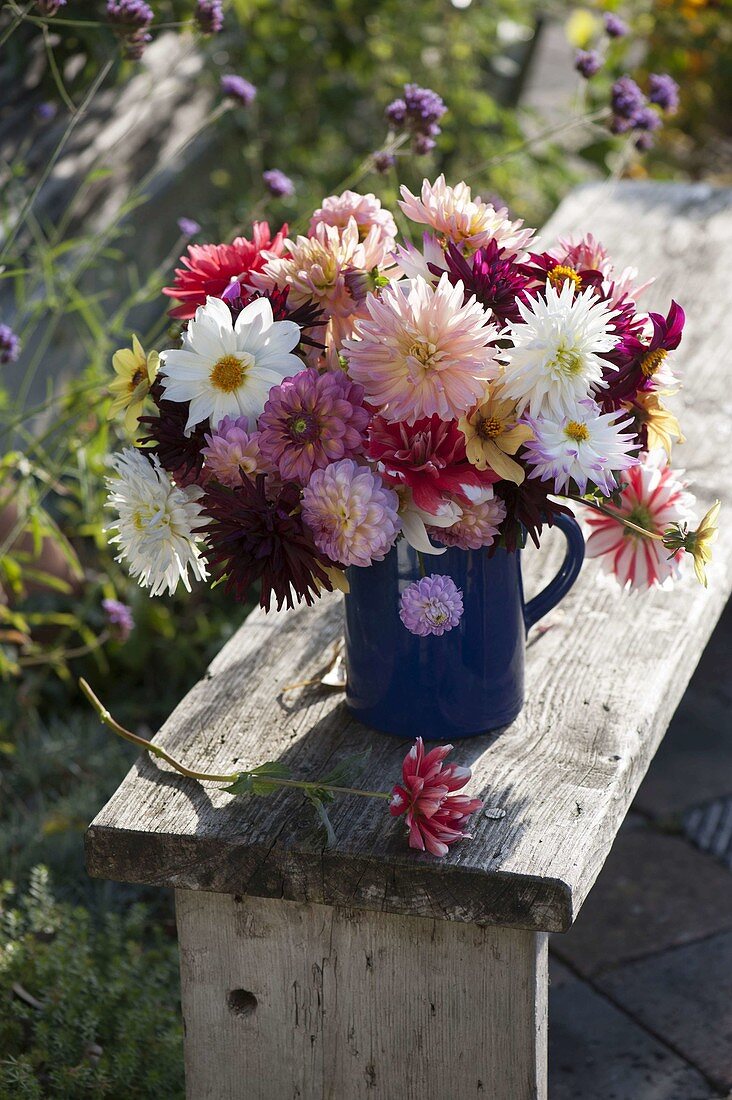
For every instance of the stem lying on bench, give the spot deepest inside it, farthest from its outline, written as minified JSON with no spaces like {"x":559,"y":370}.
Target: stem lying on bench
{"x":155,"y":750}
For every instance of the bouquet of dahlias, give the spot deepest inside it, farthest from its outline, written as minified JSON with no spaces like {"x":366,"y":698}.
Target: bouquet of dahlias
{"x":335,"y":392}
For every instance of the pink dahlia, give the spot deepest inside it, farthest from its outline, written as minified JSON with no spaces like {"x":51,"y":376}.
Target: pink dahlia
{"x":477,"y":526}
{"x":367,"y":212}
{"x":469,"y":222}
{"x":428,"y":457}
{"x":209,"y":268}
{"x":654,"y":498}
{"x":436,"y":816}
{"x":351,"y":515}
{"x":311,"y":420}
{"x":423,"y":352}
{"x":432,"y":605}
{"x":230,"y":451}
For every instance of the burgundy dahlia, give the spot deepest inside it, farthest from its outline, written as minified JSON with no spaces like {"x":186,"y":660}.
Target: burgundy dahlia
{"x":311,"y":420}
{"x":495,"y":279}
{"x":429,"y":457}
{"x":528,"y":509}
{"x":641,"y":363}
{"x":180,"y":454}
{"x":543,"y":266}
{"x":257,"y":535}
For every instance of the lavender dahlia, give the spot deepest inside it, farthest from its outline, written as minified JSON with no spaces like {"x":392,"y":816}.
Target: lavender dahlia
{"x":277,"y":183}
{"x":311,"y":420}
{"x":9,"y":344}
{"x":232,"y":452}
{"x":432,"y":605}
{"x":237,"y":88}
{"x":351,"y":515}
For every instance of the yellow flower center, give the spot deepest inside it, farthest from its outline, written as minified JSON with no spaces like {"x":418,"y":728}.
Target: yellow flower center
{"x":138,"y":375}
{"x":422,"y":351}
{"x":577,"y":431}
{"x":651,"y":362}
{"x":567,"y":361}
{"x":228,"y":373}
{"x":560,"y":274}
{"x":488,"y":427}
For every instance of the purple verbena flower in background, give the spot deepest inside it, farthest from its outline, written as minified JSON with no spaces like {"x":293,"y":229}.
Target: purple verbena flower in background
{"x":587,"y":63}
{"x":647,"y":119}
{"x":188,"y":227}
{"x":626,"y":99}
{"x":46,"y":111}
{"x":383,"y":162}
{"x":418,"y":112}
{"x":311,"y":420}
{"x":644,"y":141}
{"x":9,"y":344}
{"x":50,"y":7}
{"x":614,"y":26}
{"x":664,"y":92}
{"x":119,"y":619}
{"x":238,"y":88}
{"x":432,"y":605}
{"x":209,"y":16}
{"x":130,"y":20}
{"x":277,"y":183}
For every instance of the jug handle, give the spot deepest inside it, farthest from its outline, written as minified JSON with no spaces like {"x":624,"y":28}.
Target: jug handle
{"x":550,"y":596}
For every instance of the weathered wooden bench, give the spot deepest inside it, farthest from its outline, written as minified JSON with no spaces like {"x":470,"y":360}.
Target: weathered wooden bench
{"x":369,"y":970}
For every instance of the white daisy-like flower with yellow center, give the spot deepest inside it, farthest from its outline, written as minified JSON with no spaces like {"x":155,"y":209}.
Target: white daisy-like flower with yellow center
{"x":227,"y":367}
{"x":555,"y":360}
{"x":157,"y":523}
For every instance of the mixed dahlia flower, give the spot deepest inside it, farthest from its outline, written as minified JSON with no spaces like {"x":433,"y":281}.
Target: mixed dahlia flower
{"x":164,"y":434}
{"x":231,"y":452}
{"x":479,"y":525}
{"x":208,"y":269}
{"x":352,"y":516}
{"x":436,"y":815}
{"x":492,"y":433}
{"x":422,"y":351}
{"x":456,"y":216}
{"x":429,"y":458}
{"x":135,"y":371}
{"x":654,"y":499}
{"x":556,"y":355}
{"x":588,"y":446}
{"x":158,"y":524}
{"x":432,"y":605}
{"x":310,"y":421}
{"x":227,"y":367}
{"x":366,"y":211}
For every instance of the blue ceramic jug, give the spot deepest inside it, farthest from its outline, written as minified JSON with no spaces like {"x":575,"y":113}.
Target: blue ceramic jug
{"x":467,"y":681}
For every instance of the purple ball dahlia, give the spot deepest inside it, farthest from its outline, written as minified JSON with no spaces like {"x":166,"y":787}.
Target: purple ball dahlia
{"x":350,"y":514}
{"x":432,"y":605}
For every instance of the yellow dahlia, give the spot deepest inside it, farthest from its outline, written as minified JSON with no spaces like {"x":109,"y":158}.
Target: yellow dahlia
{"x":135,"y":375}
{"x":492,"y":433}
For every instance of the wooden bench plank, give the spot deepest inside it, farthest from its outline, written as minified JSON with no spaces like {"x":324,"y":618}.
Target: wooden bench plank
{"x":602,"y":684}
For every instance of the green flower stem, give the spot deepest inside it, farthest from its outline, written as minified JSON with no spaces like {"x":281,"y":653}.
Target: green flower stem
{"x":420,"y":563}
{"x":605,"y":511}
{"x":155,"y":750}
{"x":537,"y":139}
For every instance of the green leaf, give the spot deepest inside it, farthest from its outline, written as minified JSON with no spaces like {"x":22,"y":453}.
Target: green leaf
{"x":256,"y":780}
{"x":319,"y":807}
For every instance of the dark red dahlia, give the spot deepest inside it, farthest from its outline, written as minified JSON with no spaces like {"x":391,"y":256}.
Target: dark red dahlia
{"x":639,"y":361}
{"x":209,"y":268}
{"x":543,"y":266}
{"x":307,"y":315}
{"x":179,"y":454}
{"x":429,"y":457}
{"x":528,"y":510}
{"x":257,"y":535}
{"x":497,"y":281}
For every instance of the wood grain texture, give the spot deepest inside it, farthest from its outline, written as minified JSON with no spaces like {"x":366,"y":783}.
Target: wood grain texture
{"x":601,"y":685}
{"x":307,"y":1001}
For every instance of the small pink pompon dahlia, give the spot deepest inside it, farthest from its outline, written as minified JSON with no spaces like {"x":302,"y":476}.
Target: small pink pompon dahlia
{"x":454,"y":214}
{"x":432,"y":605}
{"x":423,"y":352}
{"x":436,"y":816}
{"x":230,"y":451}
{"x":350,"y":514}
{"x":654,"y":498}
{"x":311,"y":420}
{"x":478,"y":526}
{"x":367,"y":212}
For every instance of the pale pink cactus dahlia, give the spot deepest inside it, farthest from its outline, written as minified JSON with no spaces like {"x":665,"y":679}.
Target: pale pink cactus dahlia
{"x":436,"y":816}
{"x":654,"y":499}
{"x":477,"y":526}
{"x":311,"y":420}
{"x":230,"y":451}
{"x":422,"y":352}
{"x":367,"y":212}
{"x":454,"y":214}
{"x":350,"y":514}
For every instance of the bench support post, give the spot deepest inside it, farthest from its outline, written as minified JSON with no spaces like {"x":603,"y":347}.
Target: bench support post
{"x":287,"y":1000}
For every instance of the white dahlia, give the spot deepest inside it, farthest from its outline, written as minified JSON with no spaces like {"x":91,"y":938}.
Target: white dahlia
{"x":157,"y":524}
{"x":555,"y":359}
{"x":227,"y":367}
